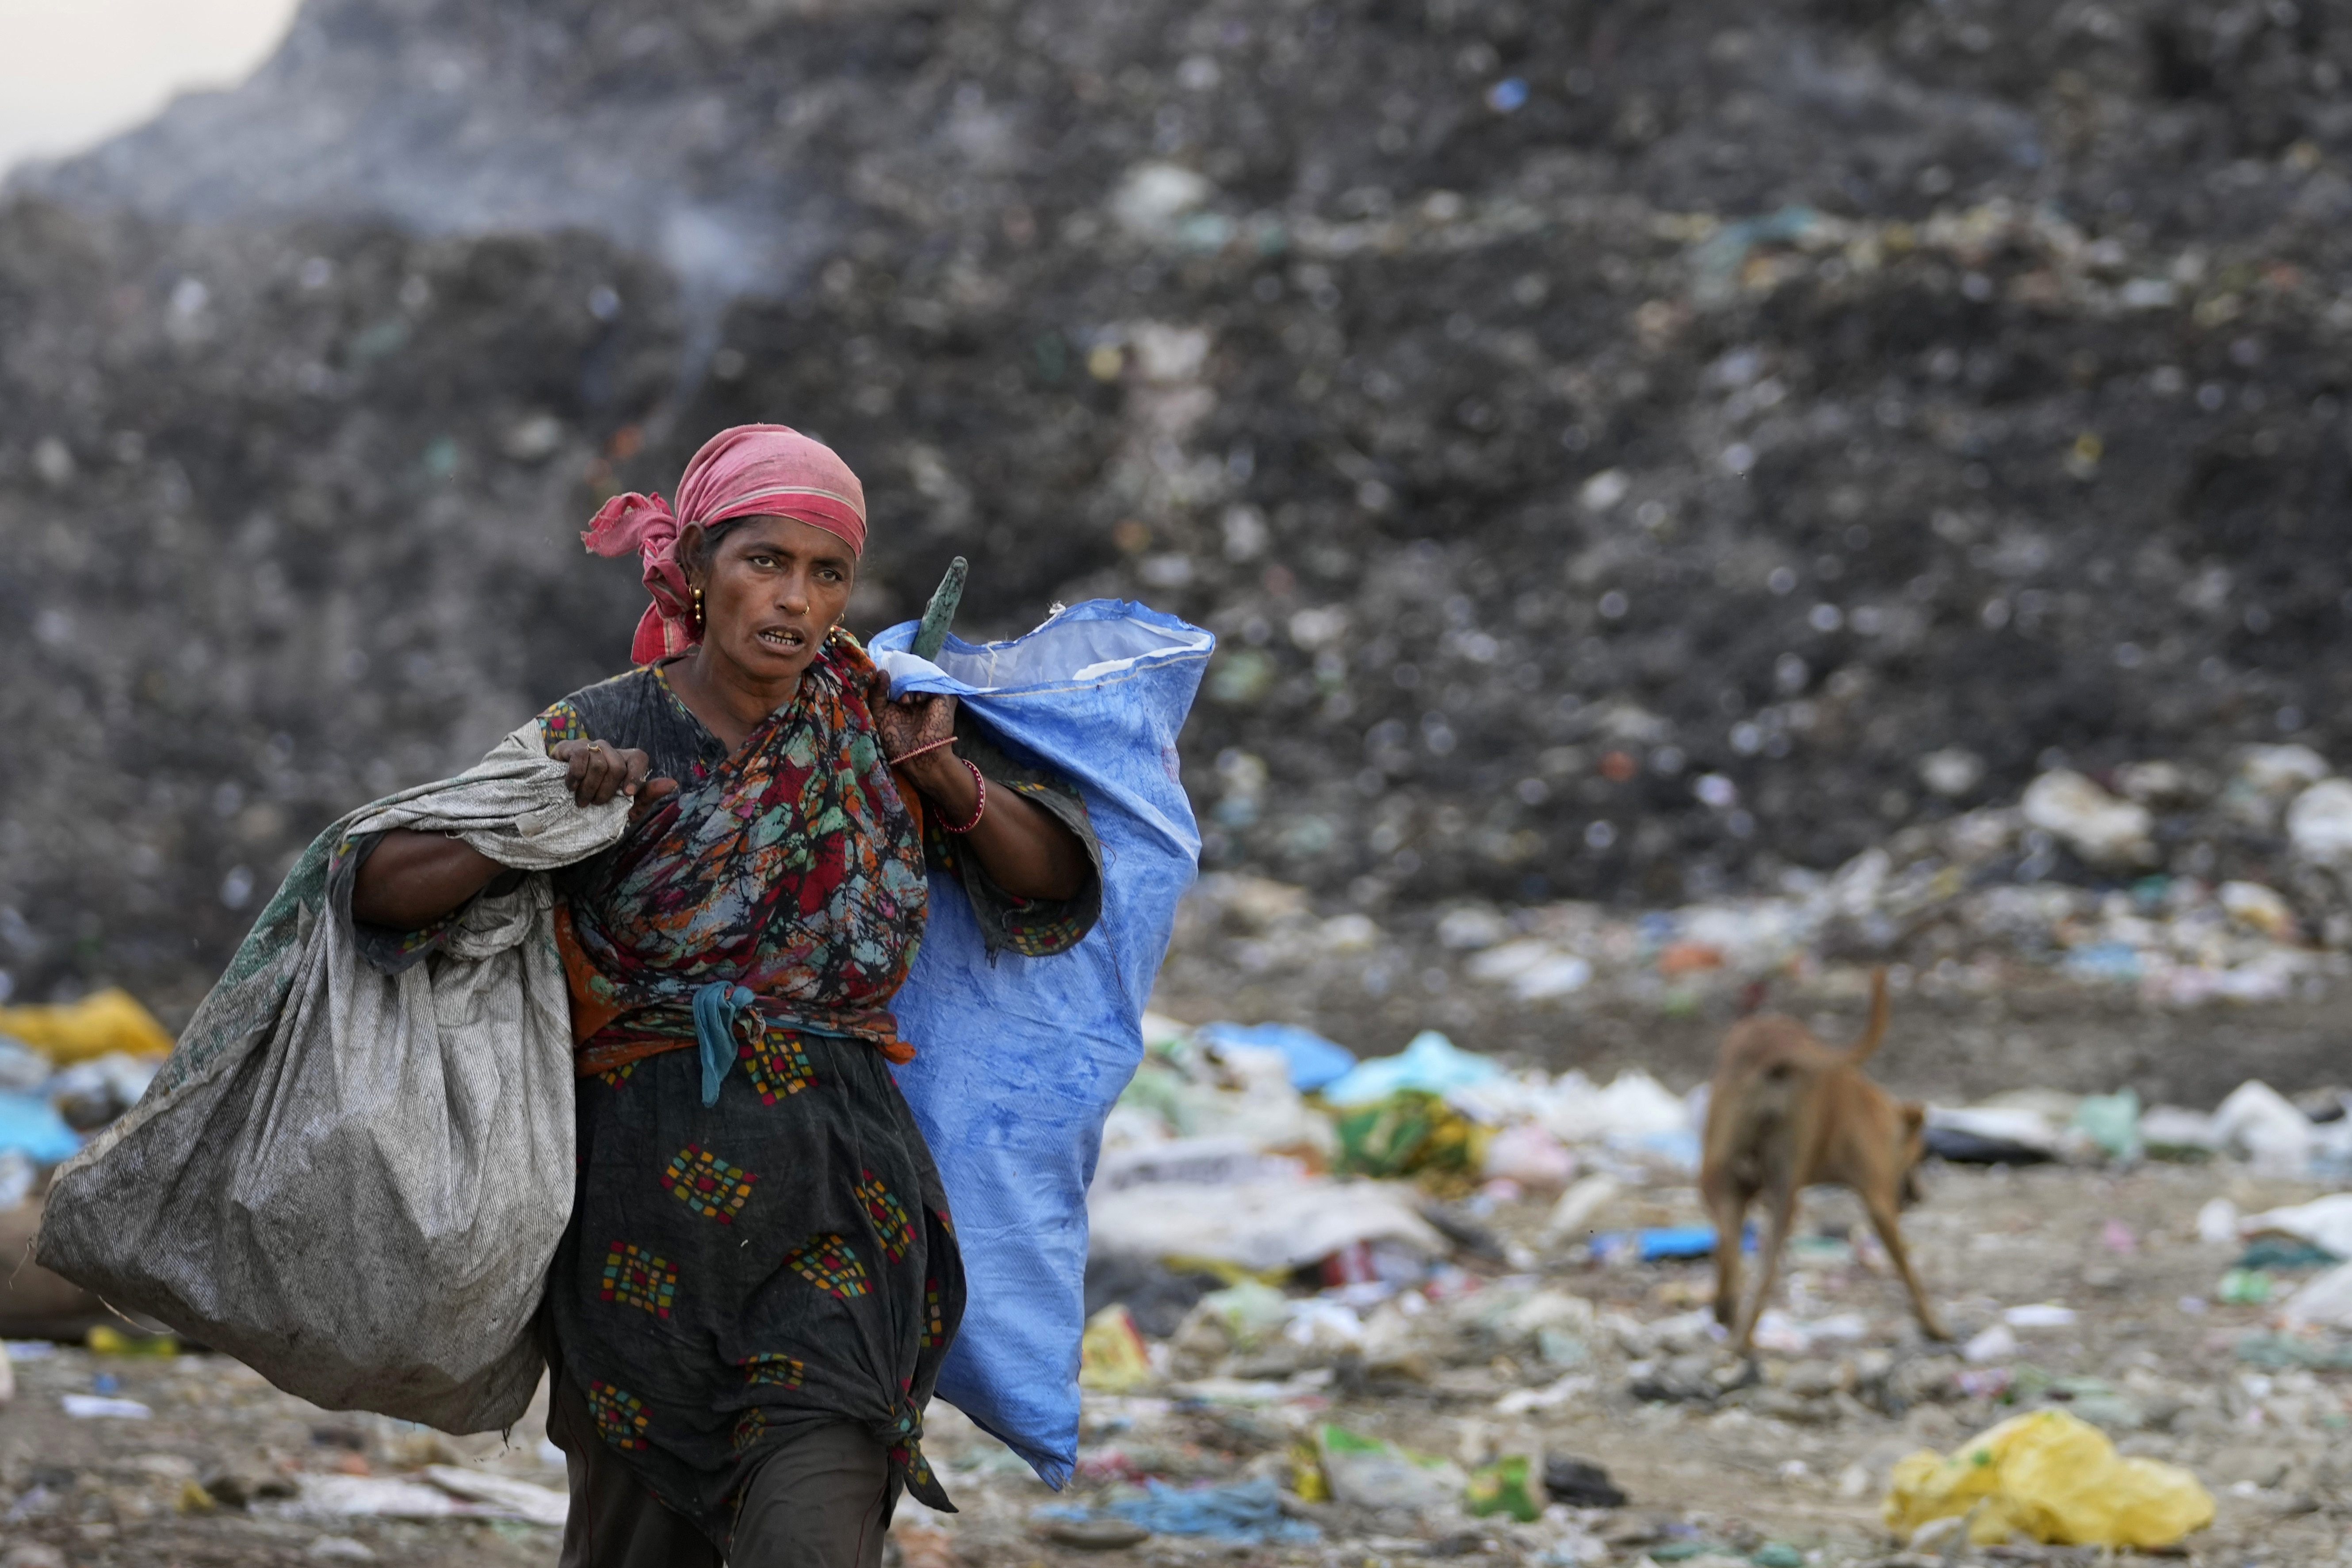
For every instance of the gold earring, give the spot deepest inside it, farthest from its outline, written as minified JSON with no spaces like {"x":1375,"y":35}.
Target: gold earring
{"x":697,"y":609}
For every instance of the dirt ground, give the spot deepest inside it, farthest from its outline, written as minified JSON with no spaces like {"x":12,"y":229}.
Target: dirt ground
{"x":1800,"y":1456}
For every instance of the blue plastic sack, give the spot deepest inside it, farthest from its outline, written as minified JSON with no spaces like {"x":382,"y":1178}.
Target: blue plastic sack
{"x":1018,"y":1061}
{"x":1313,"y":1061}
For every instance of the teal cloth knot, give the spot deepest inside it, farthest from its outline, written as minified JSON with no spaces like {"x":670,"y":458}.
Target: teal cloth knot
{"x":716,"y":1007}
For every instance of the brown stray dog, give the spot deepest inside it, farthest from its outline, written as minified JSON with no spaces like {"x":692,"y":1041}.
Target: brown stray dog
{"x":1786,"y":1111}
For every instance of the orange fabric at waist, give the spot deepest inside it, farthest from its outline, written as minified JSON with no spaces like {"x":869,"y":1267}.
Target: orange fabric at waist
{"x":650,"y":1031}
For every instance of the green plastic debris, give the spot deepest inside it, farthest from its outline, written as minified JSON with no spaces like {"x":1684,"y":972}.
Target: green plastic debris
{"x":1777,"y":1555}
{"x":1507,"y":1486}
{"x":2111,"y":1122}
{"x":2280,"y":1351}
{"x":2245,"y":1288}
{"x":2286,"y":1252}
{"x":1407,"y":1134}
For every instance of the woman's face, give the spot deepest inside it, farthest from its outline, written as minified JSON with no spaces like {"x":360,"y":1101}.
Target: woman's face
{"x":771,"y":588}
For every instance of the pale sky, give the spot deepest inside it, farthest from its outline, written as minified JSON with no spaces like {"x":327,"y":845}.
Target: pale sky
{"x":74,"y":72}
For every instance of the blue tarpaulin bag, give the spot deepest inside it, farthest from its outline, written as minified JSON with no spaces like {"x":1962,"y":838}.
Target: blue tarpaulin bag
{"x":1018,"y":1061}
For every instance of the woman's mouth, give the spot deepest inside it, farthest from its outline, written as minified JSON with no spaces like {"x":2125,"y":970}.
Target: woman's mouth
{"x":783,"y":639}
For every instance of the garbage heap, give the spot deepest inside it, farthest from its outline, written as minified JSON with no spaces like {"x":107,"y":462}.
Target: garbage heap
{"x":1282,"y":1229}
{"x":1551,"y":407}
{"x":2152,"y":888}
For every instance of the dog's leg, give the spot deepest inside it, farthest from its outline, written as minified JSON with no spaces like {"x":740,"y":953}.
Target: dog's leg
{"x":1728,"y":1205}
{"x":1888,"y":1223}
{"x":1768,"y":1273}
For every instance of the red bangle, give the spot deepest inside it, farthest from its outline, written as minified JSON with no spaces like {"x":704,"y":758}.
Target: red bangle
{"x":979,"y":805}
{"x":909,"y":756}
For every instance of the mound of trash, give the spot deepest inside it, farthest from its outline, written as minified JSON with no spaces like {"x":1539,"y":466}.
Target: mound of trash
{"x":1629,"y":454}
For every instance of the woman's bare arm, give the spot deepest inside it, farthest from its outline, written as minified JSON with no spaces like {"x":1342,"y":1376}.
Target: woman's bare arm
{"x":415,"y":879}
{"x":1023,"y":847}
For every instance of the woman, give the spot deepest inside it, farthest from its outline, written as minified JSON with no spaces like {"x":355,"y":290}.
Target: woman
{"x":748,"y":1313}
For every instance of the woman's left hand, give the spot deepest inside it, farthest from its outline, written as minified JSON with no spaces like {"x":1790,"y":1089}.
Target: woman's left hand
{"x":910,"y":722}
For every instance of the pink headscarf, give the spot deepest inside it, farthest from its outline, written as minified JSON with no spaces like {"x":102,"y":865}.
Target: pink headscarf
{"x":752,"y":471}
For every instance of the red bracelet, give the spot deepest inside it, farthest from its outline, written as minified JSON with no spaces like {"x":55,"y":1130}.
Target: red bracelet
{"x":909,"y":756}
{"x":979,"y":805}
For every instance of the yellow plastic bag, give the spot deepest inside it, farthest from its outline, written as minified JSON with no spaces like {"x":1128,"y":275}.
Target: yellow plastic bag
{"x":1112,"y":1356}
{"x":103,"y":1021}
{"x":2055,"y":1477}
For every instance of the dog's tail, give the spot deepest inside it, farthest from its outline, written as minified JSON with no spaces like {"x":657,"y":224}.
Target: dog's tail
{"x":1876,"y":1030}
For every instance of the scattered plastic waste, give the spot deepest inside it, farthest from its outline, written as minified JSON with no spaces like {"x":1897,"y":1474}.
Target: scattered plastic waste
{"x":1112,"y":1356}
{"x":1991,"y":1135}
{"x":1373,"y":1474}
{"x":1313,"y":1061}
{"x":2111,"y":1122}
{"x":1508,"y":1486}
{"x":1573,"y":1214}
{"x":2040,"y":1315}
{"x":19,"y":1176}
{"x":2245,"y":1288}
{"x":1257,"y":1225}
{"x":2262,"y":1126}
{"x":102,"y":1022}
{"x":1995,"y":1343}
{"x":105,"y":1339}
{"x":1246,"y":1511}
{"x":2093,"y":823}
{"x":32,"y":1126}
{"x":1580,"y":1483}
{"x":2173,"y":1132}
{"x":504,"y":1497}
{"x":89,"y":1094}
{"x":1663,"y":1244}
{"x":2324,"y":1223}
{"x":2052,"y":1477}
{"x":1634,"y":1106}
{"x":336,"y":1496}
{"x":2324,"y":1302}
{"x":2284,"y":1253}
{"x":21,"y":1066}
{"x":1430,"y":1063}
{"x":1532,"y":969}
{"x":1527,"y":1153}
{"x":1410,"y":1133}
{"x":96,"y":1406}
{"x":2280,"y":1351}
{"x":2217,"y":1221}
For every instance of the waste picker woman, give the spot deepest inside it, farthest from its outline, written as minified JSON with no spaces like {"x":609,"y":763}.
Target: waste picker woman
{"x":749,"y":1312}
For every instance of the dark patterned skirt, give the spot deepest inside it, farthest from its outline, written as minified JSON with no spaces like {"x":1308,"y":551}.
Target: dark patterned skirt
{"x":732,"y":1272}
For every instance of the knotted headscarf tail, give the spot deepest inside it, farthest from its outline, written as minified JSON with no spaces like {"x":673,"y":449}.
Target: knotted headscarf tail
{"x":752,"y":471}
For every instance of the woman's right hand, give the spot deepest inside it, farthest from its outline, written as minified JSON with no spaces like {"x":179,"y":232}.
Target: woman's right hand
{"x":598,"y":772}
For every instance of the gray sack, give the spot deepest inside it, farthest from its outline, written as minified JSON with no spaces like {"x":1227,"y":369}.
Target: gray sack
{"x":355,"y":1181}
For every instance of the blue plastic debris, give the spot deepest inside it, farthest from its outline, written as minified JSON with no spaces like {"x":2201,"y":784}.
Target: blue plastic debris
{"x":1508,"y":96}
{"x":1244,"y":1511}
{"x":1663,"y":1244}
{"x":1429,"y":1062}
{"x":30,"y":1123}
{"x":1314,"y":1060}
